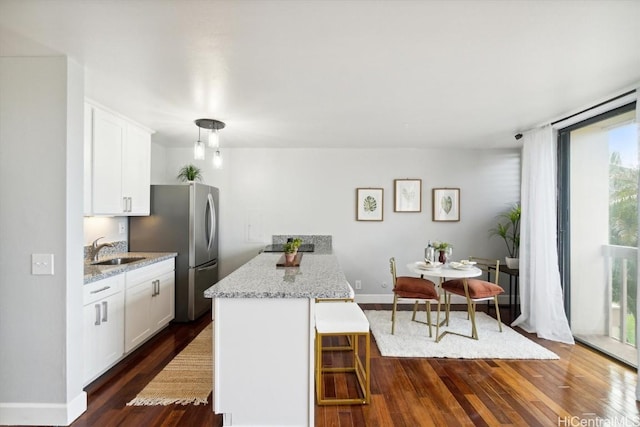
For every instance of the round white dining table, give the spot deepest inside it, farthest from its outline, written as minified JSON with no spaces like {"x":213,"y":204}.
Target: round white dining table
{"x":445,"y":272}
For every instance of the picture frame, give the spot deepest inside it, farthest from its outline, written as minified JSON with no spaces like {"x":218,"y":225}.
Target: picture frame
{"x":369,"y":204}
{"x":446,"y":204}
{"x":407,"y":195}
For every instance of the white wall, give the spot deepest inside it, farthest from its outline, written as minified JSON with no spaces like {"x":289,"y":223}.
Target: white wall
{"x":41,"y":104}
{"x":312,"y":191}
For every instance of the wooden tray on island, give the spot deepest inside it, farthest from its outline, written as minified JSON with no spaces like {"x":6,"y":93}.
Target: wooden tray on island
{"x":295,"y":263}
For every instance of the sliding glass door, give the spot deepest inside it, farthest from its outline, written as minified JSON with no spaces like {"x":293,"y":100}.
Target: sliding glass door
{"x":599,"y":228}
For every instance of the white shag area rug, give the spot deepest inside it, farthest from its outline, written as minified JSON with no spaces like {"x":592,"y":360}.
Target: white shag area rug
{"x":411,"y":339}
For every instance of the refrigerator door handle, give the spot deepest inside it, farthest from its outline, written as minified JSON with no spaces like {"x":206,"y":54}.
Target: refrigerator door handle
{"x":212,"y":221}
{"x":211,"y":267}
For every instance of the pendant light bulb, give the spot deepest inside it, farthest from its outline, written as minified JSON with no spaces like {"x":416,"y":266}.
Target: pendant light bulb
{"x":198,"y":149}
{"x":214,"y":141}
{"x":217,"y":159}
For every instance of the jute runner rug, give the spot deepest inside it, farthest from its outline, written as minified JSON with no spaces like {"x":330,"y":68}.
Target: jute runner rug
{"x":186,"y":380}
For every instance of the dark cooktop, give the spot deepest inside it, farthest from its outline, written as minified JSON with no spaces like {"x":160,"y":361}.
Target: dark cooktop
{"x":305,"y":247}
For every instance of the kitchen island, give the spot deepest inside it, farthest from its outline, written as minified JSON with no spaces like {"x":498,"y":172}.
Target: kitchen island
{"x":263,"y":338}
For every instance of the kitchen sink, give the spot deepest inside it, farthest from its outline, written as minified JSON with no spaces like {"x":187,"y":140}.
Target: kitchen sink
{"x":118,"y":261}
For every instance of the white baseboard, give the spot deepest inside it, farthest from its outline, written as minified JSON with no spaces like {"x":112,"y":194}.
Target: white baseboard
{"x":388,"y":299}
{"x":51,"y":414}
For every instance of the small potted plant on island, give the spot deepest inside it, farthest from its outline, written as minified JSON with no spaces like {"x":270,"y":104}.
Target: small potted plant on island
{"x":291,"y":249}
{"x":509,"y":231}
{"x":190,"y":173}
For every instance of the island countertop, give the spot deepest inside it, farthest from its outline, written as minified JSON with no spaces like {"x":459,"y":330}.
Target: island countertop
{"x":318,"y":276}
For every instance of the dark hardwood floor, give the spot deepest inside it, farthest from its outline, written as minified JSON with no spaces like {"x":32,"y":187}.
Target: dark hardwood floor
{"x":580,"y":387}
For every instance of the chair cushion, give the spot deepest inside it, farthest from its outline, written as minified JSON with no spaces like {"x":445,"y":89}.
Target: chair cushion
{"x":414,"y":287}
{"x":477,"y":288}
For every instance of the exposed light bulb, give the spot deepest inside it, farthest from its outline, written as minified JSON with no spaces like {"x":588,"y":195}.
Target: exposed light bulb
{"x":217,"y":159}
{"x":214,"y":141}
{"x":198,"y":150}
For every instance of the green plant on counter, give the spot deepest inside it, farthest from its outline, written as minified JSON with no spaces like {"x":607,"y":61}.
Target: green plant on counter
{"x":292,"y":246}
{"x":190,"y":173}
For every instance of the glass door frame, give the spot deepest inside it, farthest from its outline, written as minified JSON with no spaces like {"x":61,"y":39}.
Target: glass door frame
{"x":563,"y":194}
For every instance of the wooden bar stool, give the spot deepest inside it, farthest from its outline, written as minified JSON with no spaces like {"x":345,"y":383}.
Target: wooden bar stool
{"x":343,"y":319}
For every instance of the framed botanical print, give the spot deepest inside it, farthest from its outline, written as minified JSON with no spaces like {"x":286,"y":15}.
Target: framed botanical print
{"x":369,"y":204}
{"x":407,"y":195}
{"x":446,"y":204}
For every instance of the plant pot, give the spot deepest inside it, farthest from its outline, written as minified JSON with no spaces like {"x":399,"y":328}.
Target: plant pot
{"x":513,"y":263}
{"x":289,"y":257}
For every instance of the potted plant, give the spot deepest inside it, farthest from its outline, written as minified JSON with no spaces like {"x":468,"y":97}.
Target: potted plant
{"x":291,"y":249}
{"x":508,"y":229}
{"x":190,"y":173}
{"x":445,"y":250}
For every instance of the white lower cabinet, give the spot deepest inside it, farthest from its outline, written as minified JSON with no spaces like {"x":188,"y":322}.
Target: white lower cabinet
{"x":103,"y":325}
{"x":123,"y":311}
{"x":150,"y":296}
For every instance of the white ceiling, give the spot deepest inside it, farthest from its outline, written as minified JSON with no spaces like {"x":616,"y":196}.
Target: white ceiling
{"x":359,"y":73}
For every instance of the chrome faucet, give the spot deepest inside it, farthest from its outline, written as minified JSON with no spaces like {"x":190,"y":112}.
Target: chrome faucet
{"x":96,"y":248}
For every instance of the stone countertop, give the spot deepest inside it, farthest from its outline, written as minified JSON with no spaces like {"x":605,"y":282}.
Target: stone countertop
{"x":318,"y":276}
{"x":93,"y":273}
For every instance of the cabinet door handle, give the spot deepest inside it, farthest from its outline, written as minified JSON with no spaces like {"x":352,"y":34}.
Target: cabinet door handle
{"x":97,"y":322}
{"x":124,"y":204}
{"x":105,"y":308}
{"x":130,"y":204}
{"x":158,"y":287}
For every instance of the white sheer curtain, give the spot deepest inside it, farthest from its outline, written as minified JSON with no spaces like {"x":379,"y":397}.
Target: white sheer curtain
{"x":541,"y":298}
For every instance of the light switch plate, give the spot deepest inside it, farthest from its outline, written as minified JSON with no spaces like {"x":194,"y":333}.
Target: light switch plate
{"x":42,"y":264}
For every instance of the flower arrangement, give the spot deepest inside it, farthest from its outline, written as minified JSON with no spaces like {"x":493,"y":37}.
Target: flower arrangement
{"x":441,"y":246}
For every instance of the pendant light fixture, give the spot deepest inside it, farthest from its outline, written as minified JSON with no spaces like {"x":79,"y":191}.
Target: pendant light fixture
{"x":217,"y":159}
{"x":198,"y":148}
{"x":214,"y":140}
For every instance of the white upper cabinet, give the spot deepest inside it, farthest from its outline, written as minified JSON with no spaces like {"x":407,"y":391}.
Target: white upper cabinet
{"x":117,"y":164}
{"x":136,"y":170}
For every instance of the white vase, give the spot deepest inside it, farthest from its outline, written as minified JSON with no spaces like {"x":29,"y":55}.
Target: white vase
{"x":513,"y":263}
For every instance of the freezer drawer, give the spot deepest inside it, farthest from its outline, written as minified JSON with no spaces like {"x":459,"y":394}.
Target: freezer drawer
{"x":200,"y":279}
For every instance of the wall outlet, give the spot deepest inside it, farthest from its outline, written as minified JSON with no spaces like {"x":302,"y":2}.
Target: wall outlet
{"x":384,"y":285}
{"x":122,"y":228}
{"x":358,"y":284}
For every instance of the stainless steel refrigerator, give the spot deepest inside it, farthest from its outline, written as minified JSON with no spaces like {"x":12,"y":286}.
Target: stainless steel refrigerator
{"x":184,"y":219}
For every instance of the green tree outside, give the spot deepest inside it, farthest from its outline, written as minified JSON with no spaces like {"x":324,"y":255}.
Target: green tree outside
{"x":623,"y":231}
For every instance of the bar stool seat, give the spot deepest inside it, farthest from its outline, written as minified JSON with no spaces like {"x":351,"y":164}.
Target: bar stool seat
{"x":349,"y":344}
{"x":343,"y":319}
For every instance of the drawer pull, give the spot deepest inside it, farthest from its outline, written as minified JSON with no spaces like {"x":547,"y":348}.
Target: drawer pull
{"x":100,"y":290}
